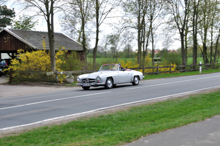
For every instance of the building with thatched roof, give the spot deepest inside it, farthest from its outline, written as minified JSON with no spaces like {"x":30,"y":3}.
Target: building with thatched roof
{"x":13,"y":40}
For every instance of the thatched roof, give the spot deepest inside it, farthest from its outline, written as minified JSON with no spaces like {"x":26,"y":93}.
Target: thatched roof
{"x":34,"y":39}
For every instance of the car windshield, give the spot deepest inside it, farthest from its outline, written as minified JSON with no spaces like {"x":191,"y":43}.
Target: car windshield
{"x":109,"y":67}
{"x":3,"y":63}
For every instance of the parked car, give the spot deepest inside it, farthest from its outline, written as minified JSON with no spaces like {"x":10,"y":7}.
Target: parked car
{"x":3,"y":65}
{"x":109,"y":75}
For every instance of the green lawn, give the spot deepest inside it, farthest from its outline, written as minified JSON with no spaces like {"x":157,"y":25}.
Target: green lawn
{"x":190,"y":60}
{"x":100,"y":61}
{"x":147,"y":77}
{"x":112,"y":60}
{"x":124,"y":126}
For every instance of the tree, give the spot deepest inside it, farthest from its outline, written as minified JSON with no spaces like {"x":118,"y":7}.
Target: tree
{"x":6,"y":16}
{"x":128,"y":51}
{"x":195,"y":21}
{"x":217,"y":46}
{"x":214,"y":25}
{"x":102,"y":9}
{"x":47,"y":8}
{"x":24,"y":23}
{"x":126,"y":39}
{"x":138,"y":9}
{"x":114,"y":40}
{"x":209,"y":28}
{"x":153,"y":12}
{"x":204,"y":25}
{"x":82,"y":14}
{"x":179,"y":9}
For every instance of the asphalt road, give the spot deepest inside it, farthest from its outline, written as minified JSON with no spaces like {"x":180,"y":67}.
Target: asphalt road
{"x":28,"y":110}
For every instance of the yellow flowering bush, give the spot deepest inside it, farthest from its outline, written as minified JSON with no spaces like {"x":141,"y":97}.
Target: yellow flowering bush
{"x":130,"y":64}
{"x":35,"y":61}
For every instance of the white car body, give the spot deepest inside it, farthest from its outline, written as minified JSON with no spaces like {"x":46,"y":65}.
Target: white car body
{"x":109,"y":75}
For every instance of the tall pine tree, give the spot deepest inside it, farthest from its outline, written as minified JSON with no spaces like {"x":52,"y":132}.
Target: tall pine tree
{"x":6,"y":16}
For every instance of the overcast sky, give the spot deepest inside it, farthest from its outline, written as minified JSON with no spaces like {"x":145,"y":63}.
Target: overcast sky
{"x":105,"y":29}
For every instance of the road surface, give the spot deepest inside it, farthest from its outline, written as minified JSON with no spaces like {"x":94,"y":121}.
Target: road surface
{"x":22,"y":111}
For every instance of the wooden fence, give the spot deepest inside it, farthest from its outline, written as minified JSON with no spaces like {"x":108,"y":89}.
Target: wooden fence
{"x":155,"y":68}
{"x":53,"y":76}
{"x":180,"y":68}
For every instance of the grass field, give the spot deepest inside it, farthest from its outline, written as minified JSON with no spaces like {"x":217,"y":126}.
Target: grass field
{"x":101,"y":61}
{"x":128,"y":125}
{"x":124,"y":126}
{"x":112,"y":60}
{"x":147,"y":77}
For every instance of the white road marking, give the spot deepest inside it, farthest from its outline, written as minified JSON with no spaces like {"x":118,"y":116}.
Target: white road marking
{"x":105,"y":108}
{"x":46,"y":101}
{"x":172,"y":83}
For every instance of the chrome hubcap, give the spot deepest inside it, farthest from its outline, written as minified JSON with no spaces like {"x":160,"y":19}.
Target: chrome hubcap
{"x":109,"y":83}
{"x":136,"y":80}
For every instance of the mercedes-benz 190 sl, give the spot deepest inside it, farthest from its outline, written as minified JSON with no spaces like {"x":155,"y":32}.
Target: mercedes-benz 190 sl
{"x":109,"y":75}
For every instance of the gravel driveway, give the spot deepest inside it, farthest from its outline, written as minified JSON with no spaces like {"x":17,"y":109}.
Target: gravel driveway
{"x":18,"y":90}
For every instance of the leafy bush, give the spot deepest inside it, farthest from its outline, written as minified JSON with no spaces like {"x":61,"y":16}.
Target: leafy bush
{"x":72,"y":62}
{"x":130,"y":64}
{"x":171,"y":58}
{"x":39,"y":61}
{"x":33,"y":62}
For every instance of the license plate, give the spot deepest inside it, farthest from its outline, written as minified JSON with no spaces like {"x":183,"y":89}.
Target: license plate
{"x":85,"y":85}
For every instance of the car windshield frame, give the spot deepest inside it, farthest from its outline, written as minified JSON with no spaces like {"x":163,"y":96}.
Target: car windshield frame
{"x":109,"y":67}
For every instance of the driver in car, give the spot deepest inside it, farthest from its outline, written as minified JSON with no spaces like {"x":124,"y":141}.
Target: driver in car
{"x":121,"y":68}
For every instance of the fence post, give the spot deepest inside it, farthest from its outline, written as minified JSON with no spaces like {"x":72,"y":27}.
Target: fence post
{"x":200,"y":67}
{"x":170,"y":68}
{"x":157,"y":70}
{"x":10,"y":76}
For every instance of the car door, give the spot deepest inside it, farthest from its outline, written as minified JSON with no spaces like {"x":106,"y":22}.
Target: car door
{"x":124,"y":76}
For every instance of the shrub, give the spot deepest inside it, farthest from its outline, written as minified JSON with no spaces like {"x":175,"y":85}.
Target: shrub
{"x":72,"y":62}
{"x":35,"y":61}
{"x":130,"y":64}
{"x":171,"y":58}
{"x":39,"y":61}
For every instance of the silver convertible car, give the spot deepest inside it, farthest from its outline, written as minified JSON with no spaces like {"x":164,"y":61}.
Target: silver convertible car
{"x":109,"y":75}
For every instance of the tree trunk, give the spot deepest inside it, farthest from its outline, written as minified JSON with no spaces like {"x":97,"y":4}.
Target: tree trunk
{"x":186,"y":45}
{"x":183,"y":49}
{"x":50,"y":27}
{"x":84,"y":42}
{"x":216,"y":47}
{"x":205,"y":56}
{"x":195,"y":31}
{"x":152,"y":39}
{"x":211,"y":47}
{"x":97,"y":34}
{"x":139,"y":36}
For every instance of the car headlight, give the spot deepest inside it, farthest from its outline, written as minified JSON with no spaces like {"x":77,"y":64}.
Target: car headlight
{"x":78,"y":80}
{"x":98,"y":80}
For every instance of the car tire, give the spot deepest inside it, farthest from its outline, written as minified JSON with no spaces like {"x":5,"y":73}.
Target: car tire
{"x":86,"y":88}
{"x":109,"y":83}
{"x":135,"y":80}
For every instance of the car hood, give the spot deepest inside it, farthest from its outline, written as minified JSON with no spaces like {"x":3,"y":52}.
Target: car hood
{"x":95,"y":74}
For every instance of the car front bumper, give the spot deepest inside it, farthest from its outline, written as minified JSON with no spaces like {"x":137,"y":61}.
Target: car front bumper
{"x":90,"y":84}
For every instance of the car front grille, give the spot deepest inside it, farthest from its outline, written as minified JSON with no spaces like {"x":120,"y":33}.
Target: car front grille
{"x":88,"y":80}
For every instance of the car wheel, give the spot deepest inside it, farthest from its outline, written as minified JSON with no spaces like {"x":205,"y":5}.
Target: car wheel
{"x":135,"y":81}
{"x":109,"y":83}
{"x":86,"y":88}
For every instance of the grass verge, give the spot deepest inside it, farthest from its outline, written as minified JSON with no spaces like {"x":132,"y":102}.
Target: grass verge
{"x":147,"y":77}
{"x":124,"y":126}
